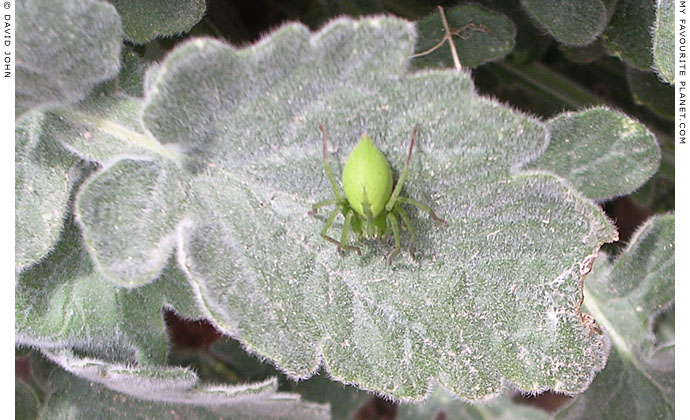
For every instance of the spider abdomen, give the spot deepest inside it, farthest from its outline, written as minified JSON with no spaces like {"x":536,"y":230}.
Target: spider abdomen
{"x":367,"y":179}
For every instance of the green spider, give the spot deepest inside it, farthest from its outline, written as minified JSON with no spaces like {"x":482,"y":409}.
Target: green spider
{"x":371,"y":205}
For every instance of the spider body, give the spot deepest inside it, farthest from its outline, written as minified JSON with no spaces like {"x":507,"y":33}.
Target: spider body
{"x":371,"y":206}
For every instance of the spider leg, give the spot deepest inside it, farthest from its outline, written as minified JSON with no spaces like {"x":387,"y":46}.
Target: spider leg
{"x":343,"y":240}
{"x":406,"y":221}
{"x":403,"y":176}
{"x":392,"y":221}
{"x":327,"y":167}
{"x":317,"y":206}
{"x":328,"y":225}
{"x":424,"y":207}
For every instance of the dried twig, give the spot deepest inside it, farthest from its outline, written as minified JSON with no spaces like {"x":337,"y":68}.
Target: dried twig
{"x":447,"y":37}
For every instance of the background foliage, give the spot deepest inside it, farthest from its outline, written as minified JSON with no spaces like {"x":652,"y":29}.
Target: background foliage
{"x":162,"y":187}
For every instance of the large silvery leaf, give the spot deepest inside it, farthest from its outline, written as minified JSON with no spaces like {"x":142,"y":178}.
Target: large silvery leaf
{"x":64,"y":302}
{"x":572,"y":22}
{"x":63,"y":49}
{"x":87,"y":388}
{"x":493,"y":294}
{"x":145,"y":20}
{"x":604,"y":154}
{"x":664,"y":40}
{"x":626,"y":297}
{"x":43,"y":179}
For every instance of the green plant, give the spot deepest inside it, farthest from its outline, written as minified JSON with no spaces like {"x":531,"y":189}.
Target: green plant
{"x":184,"y":186}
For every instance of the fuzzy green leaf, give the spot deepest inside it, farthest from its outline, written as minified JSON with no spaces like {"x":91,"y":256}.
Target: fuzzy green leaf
{"x":344,"y":400}
{"x":158,"y":383}
{"x":494,"y":292}
{"x":442,"y":405}
{"x":648,"y":90}
{"x":83,"y":400}
{"x":664,"y":40}
{"x":610,"y":7}
{"x":26,"y":402}
{"x":91,"y":387}
{"x":136,"y":204}
{"x":585,"y":54}
{"x":479,"y":34}
{"x":571,"y":22}
{"x":64,"y":48}
{"x":531,"y":43}
{"x":44,"y":177}
{"x":626,"y":297}
{"x":130,"y":79}
{"x":101,"y":129}
{"x":64,"y":302}
{"x":658,"y":195}
{"x":107,"y":130}
{"x":629,"y":34}
{"x":145,"y":20}
{"x":604,"y":154}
